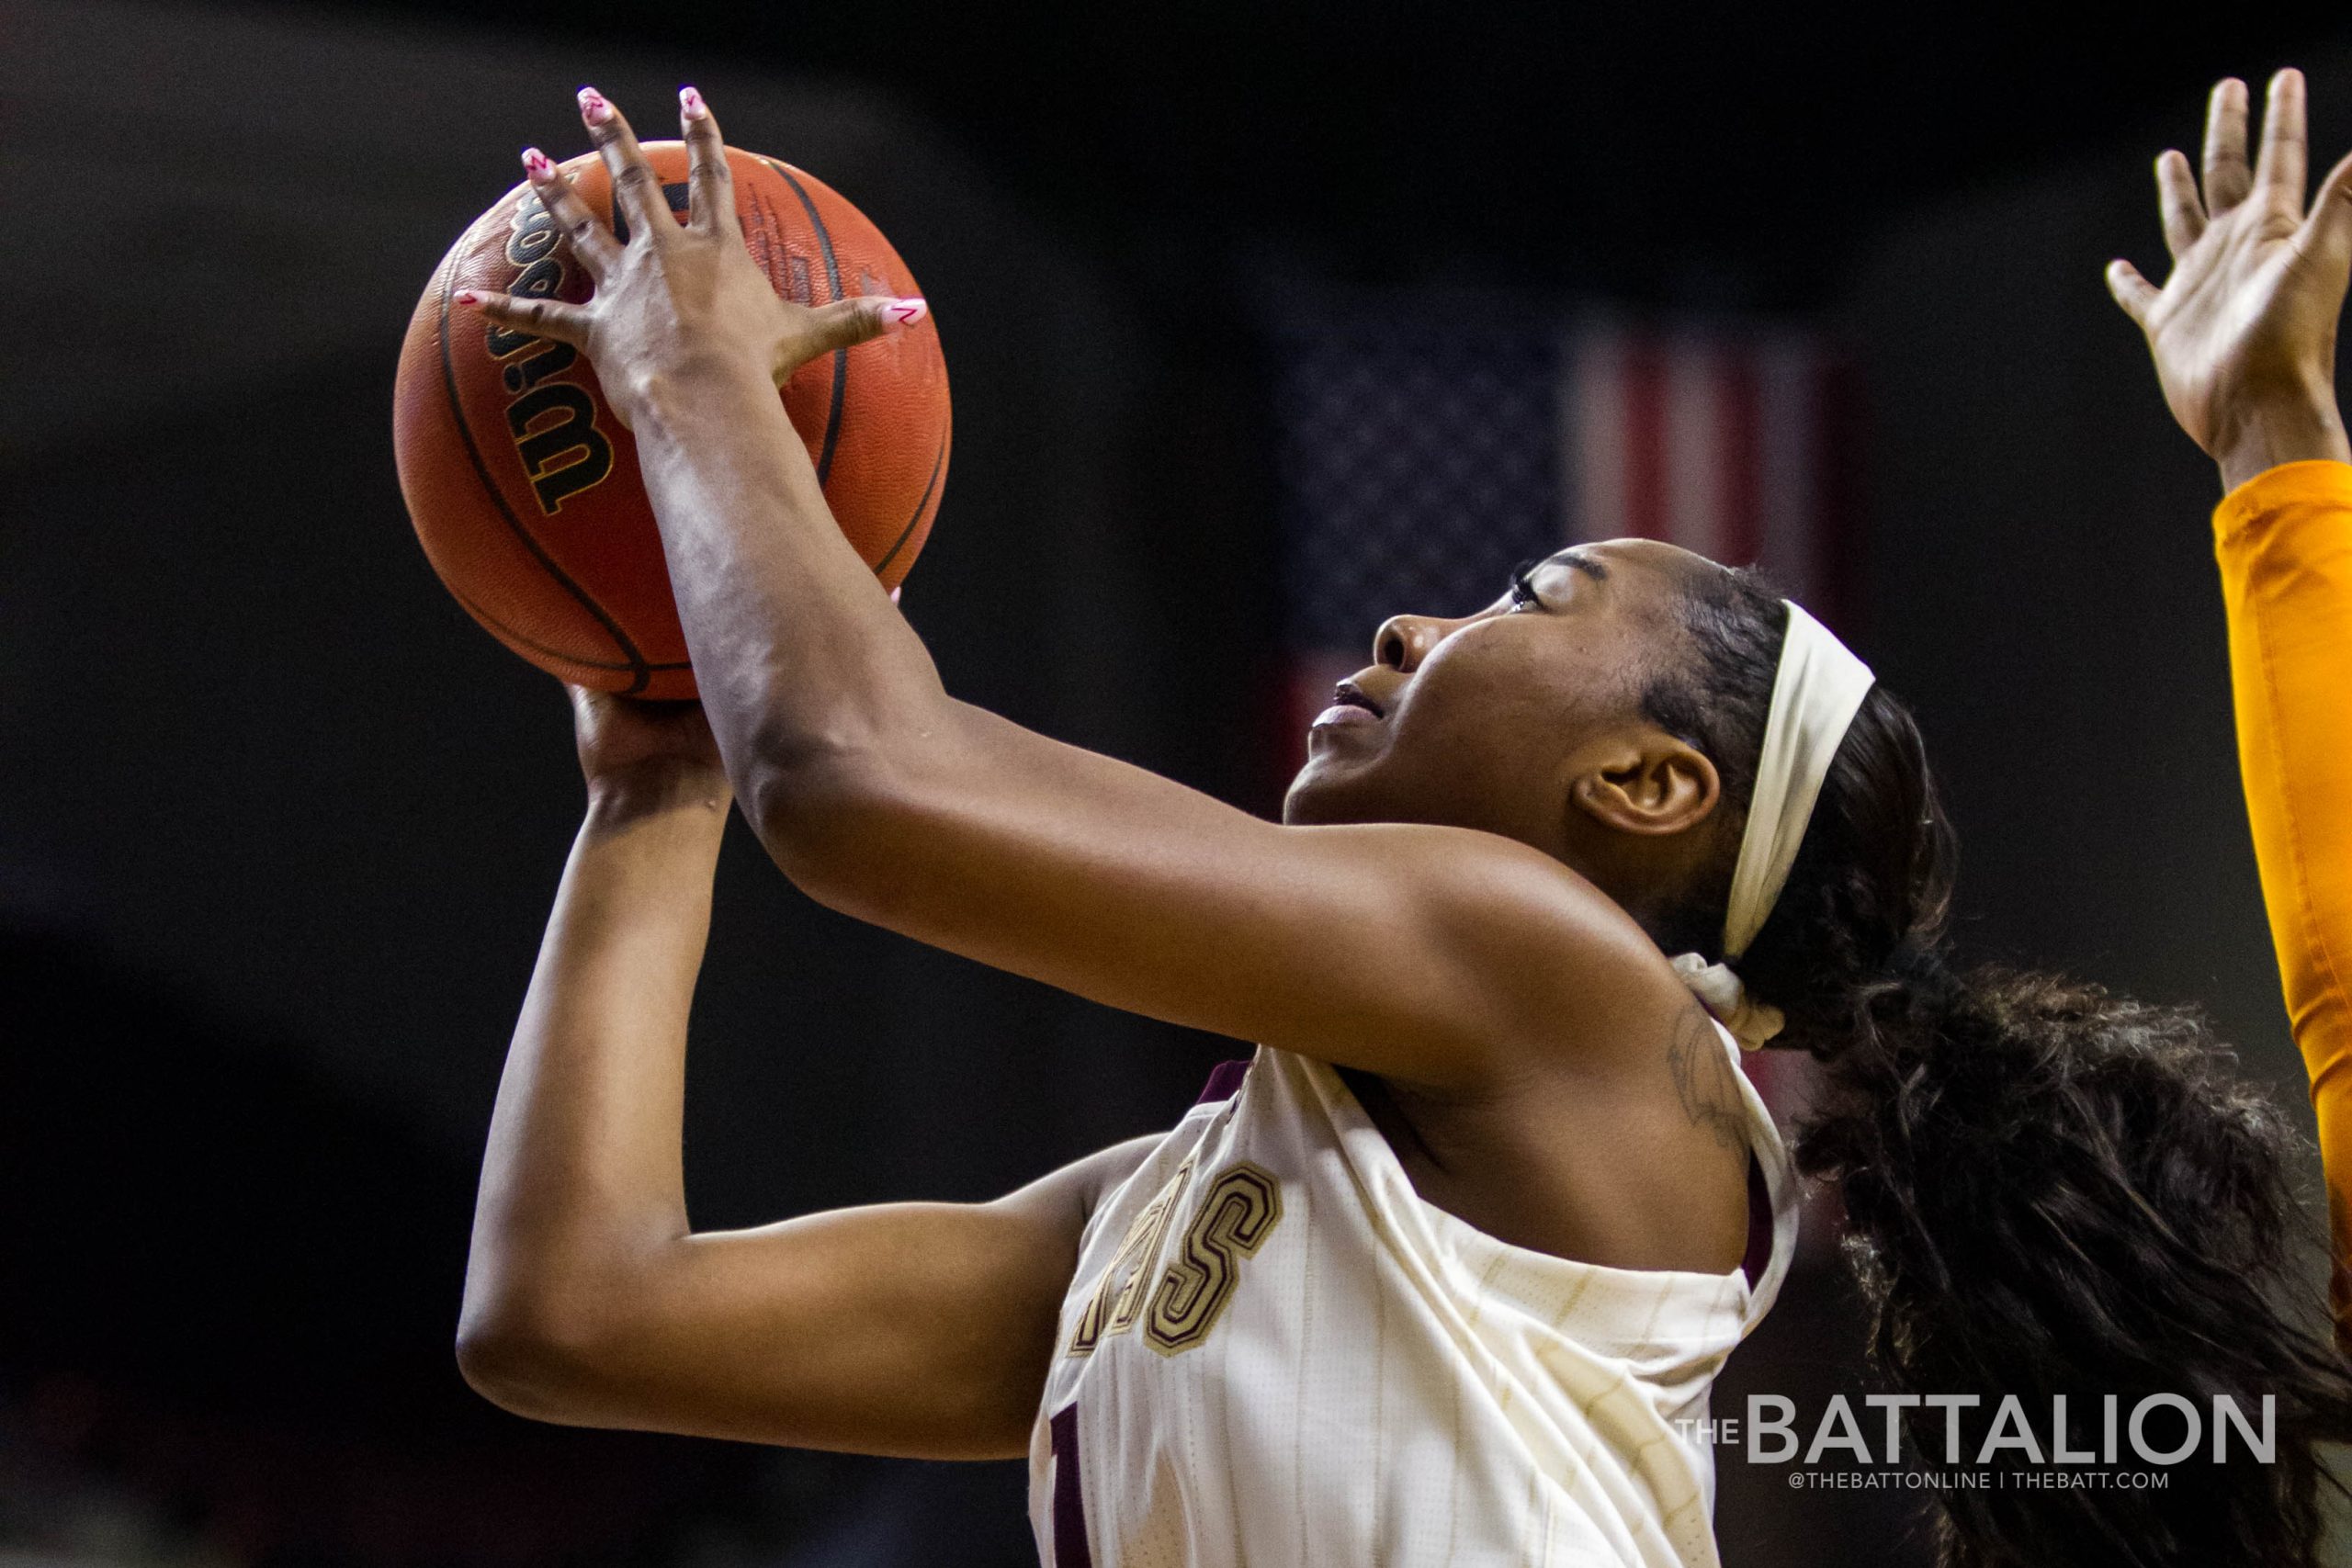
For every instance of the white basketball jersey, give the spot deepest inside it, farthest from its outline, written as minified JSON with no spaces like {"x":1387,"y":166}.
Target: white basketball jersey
{"x":1274,"y":1352}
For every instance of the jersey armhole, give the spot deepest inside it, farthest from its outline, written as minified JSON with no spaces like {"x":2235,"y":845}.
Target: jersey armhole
{"x":1758,"y":1255}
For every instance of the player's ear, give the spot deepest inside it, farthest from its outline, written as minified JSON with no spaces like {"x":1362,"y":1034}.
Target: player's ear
{"x":1646,"y":781}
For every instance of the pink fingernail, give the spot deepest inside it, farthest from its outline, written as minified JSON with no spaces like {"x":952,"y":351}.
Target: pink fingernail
{"x":593,"y":107}
{"x":538,"y":166}
{"x":466,"y":296}
{"x":900,"y":314}
{"x":894,"y":595}
{"x":690,"y":103}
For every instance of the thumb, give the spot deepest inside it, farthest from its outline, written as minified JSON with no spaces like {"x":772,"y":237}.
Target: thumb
{"x":2131,"y":291}
{"x":2328,"y":232}
{"x":846,"y":323}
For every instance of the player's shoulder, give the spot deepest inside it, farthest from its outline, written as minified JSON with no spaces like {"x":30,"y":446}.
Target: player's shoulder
{"x":1106,"y":1169}
{"x":1066,"y":1198}
{"x":1092,"y":1182}
{"x":1565,"y":978}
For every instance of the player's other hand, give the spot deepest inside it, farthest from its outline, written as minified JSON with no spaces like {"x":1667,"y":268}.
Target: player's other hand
{"x":677,"y":299}
{"x":2244,"y":329}
{"x":628,"y":743}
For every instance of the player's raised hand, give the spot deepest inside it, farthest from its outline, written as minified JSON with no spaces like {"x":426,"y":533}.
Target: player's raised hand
{"x":674,"y":299}
{"x":2244,"y":329}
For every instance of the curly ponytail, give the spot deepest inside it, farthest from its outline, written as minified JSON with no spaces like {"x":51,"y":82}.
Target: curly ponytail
{"x":2049,"y":1189}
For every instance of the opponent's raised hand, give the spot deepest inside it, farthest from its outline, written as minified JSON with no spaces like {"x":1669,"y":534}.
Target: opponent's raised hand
{"x":2244,"y":329}
{"x":674,"y":299}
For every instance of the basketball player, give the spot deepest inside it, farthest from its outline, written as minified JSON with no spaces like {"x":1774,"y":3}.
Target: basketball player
{"x":2244,"y":334}
{"x":1440,"y":1275}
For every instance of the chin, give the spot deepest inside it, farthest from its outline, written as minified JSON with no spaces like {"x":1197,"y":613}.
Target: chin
{"x":1319,"y":797}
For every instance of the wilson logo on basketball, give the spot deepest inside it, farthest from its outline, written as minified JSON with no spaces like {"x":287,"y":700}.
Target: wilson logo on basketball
{"x":553,"y":422}
{"x":523,"y":485}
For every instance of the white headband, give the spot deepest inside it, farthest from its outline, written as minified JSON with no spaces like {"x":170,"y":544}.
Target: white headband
{"x":1817,"y":692}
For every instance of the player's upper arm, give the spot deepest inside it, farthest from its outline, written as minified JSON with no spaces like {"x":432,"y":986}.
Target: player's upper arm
{"x":914,"y":1329}
{"x":1431,"y":954}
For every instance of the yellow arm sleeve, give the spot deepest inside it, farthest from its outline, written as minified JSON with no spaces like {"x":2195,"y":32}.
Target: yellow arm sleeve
{"x":2284,"y":540}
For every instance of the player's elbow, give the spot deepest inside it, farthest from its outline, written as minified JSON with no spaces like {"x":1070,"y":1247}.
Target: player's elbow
{"x":837,"y":824}
{"x":532,"y":1359}
{"x":510,"y":1370}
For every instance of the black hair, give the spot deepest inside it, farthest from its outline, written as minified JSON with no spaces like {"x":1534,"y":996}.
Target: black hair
{"x":2048,"y":1189}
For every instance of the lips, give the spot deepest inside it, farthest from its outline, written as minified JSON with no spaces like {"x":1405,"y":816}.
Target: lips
{"x":1349,"y":705}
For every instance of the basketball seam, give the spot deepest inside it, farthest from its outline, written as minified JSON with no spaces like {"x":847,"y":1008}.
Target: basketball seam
{"x":636,"y":664}
{"x":922,"y":505}
{"x":503,"y":629}
{"x":841,"y":356}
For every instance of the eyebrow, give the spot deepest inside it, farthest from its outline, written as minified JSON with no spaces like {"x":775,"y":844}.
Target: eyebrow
{"x":1585,"y":564}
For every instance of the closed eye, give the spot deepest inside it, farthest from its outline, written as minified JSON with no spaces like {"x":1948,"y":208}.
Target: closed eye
{"x":1522,"y":586}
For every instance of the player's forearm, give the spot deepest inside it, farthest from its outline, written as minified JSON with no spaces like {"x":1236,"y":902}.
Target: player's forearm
{"x":582,"y":1179}
{"x":808,"y":672}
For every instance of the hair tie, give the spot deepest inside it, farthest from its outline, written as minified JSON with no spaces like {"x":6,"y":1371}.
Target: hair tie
{"x":1725,"y":995}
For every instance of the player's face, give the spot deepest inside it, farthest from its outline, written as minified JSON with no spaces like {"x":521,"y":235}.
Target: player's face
{"x":1484,"y":721}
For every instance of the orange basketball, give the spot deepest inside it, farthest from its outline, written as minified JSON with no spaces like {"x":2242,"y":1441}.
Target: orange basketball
{"x":523,"y":487}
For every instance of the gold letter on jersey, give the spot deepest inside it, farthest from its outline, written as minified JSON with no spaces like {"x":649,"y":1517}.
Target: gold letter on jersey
{"x":1239,"y":1212}
{"x":1113,"y":1305}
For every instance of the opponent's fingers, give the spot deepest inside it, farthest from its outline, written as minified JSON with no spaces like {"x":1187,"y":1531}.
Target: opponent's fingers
{"x":592,"y":242}
{"x":637,"y":190}
{"x":2227,"y":178}
{"x":2279,"y":169}
{"x":540,"y":318}
{"x":2177,"y":199}
{"x":711,"y":185}
{"x":2134,"y":292}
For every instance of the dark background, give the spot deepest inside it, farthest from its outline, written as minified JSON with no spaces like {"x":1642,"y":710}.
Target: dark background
{"x":278,"y":825}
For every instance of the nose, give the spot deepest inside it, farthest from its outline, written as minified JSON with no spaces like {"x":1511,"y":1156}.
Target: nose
{"x":1403,"y":641}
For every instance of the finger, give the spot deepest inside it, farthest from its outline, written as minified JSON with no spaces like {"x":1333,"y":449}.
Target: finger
{"x":637,"y":190}
{"x":2227,"y":178}
{"x":711,"y":185}
{"x":846,"y":323}
{"x":540,"y":318}
{"x":2134,"y":292}
{"x":2279,"y":171}
{"x":2177,"y":199}
{"x":591,"y":241}
{"x":2327,"y":232}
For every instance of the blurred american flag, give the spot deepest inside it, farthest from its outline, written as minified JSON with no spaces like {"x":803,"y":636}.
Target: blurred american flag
{"x":1733,"y":442}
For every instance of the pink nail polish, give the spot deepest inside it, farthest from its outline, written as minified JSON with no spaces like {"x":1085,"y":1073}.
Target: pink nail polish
{"x":466,"y":296}
{"x":900,"y":314}
{"x":690,"y":103}
{"x":593,"y":106}
{"x":538,"y":166}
